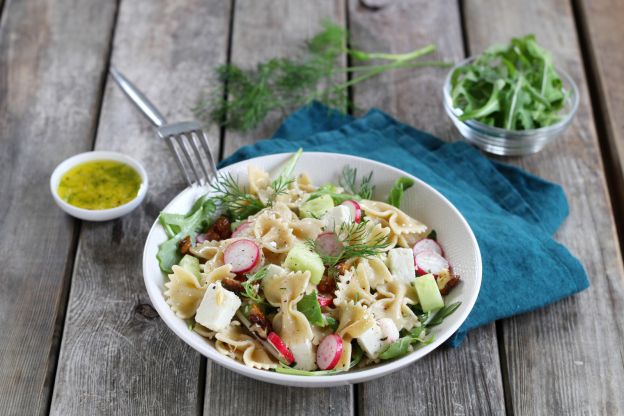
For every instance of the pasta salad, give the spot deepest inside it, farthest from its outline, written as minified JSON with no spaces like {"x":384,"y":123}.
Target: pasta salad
{"x":283,"y":275}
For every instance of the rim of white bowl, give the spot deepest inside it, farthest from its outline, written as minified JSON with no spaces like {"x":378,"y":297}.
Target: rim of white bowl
{"x":96,"y":214}
{"x":347,"y":377}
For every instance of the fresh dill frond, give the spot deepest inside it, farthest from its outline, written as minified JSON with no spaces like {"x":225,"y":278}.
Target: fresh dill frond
{"x":280,"y":186}
{"x":245,"y":97}
{"x":235,"y":199}
{"x":251,"y":287}
{"x":356,"y":241}
{"x":348,"y":180}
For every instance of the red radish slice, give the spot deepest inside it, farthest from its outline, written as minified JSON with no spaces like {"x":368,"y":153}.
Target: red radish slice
{"x":201,"y":238}
{"x":281,"y":347}
{"x":427,"y":244}
{"x":238,"y":232}
{"x":328,"y":244}
{"x":243,"y":255}
{"x":354,"y":209}
{"x":430,"y":262}
{"x":325,"y":301}
{"x":329,"y":352}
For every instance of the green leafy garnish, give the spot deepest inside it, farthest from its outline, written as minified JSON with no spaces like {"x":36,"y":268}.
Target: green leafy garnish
{"x":438,"y":317}
{"x":356,"y":242}
{"x":356,"y":357}
{"x":311,"y":308}
{"x":247,"y":96}
{"x":240,"y":204}
{"x":418,"y":335}
{"x":251,"y":286}
{"x":348,"y":180}
{"x":515,"y":87}
{"x":396,"y":193}
{"x":433,"y":235}
{"x":178,"y":226}
{"x":329,"y":189}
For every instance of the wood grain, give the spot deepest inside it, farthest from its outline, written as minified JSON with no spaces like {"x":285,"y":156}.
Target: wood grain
{"x":567,"y":358}
{"x":263,"y":30}
{"x":49,"y":92}
{"x":601,"y":26}
{"x":117,"y":356}
{"x":466,"y":380}
{"x":269,"y":29}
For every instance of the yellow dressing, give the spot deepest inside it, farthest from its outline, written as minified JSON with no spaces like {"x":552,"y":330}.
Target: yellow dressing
{"x":99,"y":184}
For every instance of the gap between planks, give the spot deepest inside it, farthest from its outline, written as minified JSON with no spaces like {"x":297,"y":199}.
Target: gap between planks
{"x":599,"y":106}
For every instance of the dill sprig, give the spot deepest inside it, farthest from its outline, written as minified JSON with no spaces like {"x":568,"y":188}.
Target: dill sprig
{"x":251,"y":288}
{"x":356,"y":241}
{"x":245,"y":97}
{"x":235,"y":199}
{"x":348,"y":180}
{"x":239,"y":203}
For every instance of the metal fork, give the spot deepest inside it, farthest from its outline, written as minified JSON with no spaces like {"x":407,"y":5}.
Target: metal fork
{"x":185,"y":139}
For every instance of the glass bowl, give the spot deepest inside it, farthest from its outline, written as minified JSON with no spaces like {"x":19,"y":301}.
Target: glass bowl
{"x":505,"y":142}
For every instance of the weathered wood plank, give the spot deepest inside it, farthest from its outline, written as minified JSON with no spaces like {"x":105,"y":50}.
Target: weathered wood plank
{"x":263,"y":30}
{"x":117,"y":356}
{"x":466,"y":380}
{"x":49,"y":90}
{"x":567,"y":358}
{"x":601,"y":24}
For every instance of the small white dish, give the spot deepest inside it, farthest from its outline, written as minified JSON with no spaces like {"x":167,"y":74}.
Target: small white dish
{"x":421,"y":201}
{"x":98,"y":214}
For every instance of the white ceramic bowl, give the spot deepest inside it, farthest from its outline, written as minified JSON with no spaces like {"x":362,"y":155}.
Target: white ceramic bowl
{"x":420,"y":201}
{"x":98,"y":214}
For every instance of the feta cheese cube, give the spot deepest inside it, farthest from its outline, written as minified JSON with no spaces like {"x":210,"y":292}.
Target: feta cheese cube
{"x":335,"y":217}
{"x":217,"y":308}
{"x":401,"y":264}
{"x":372,"y":341}
{"x":305,"y":357}
{"x":274,"y":270}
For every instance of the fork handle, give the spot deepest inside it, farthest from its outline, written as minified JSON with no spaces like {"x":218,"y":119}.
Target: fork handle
{"x":138,"y":98}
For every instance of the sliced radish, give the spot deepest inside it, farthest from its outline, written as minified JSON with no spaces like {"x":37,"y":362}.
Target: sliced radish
{"x":354,"y":209}
{"x":389,"y":329}
{"x":281,"y":347}
{"x":328,"y":244}
{"x":325,"y":301}
{"x":201,"y":238}
{"x":427,"y":244}
{"x":430,"y":262}
{"x":243,"y":255}
{"x":329,"y":352}
{"x":238,"y":232}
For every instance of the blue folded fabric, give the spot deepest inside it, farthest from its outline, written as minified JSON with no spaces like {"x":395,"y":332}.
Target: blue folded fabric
{"x":513,"y":214}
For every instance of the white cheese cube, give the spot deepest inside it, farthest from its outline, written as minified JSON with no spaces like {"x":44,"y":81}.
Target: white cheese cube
{"x":335,"y":217}
{"x":401,"y":264}
{"x":274,"y":270}
{"x":217,"y":308}
{"x":305,"y":357}
{"x":372,"y":341}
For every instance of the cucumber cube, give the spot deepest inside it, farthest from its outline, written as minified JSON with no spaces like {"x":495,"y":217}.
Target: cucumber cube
{"x":191,"y":265}
{"x":316,"y":207}
{"x":428,"y":293}
{"x":300,"y":258}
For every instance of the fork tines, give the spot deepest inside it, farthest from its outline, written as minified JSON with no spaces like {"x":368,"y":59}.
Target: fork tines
{"x":189,"y":143}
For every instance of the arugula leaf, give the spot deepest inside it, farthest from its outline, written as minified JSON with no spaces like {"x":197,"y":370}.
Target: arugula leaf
{"x":396,"y":193}
{"x":398,"y":348}
{"x":356,"y":355}
{"x":438,"y":317}
{"x":433,"y":235}
{"x":329,"y":189}
{"x":514,"y":86}
{"x":310,"y":307}
{"x":179,"y":226}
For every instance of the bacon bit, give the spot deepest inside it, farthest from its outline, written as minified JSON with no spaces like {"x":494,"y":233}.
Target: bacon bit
{"x":259,"y":323}
{"x":327,"y":285}
{"x":222,"y":227}
{"x":232,"y":285}
{"x":185,"y":245}
{"x":449,"y":284}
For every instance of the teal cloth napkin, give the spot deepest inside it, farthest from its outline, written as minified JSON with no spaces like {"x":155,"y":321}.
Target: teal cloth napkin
{"x":513,"y":214}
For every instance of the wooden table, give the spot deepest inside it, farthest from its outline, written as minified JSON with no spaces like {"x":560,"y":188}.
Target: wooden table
{"x":77,"y":333}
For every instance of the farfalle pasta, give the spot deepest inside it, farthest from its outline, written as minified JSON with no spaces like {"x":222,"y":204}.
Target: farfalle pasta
{"x":292,"y":277}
